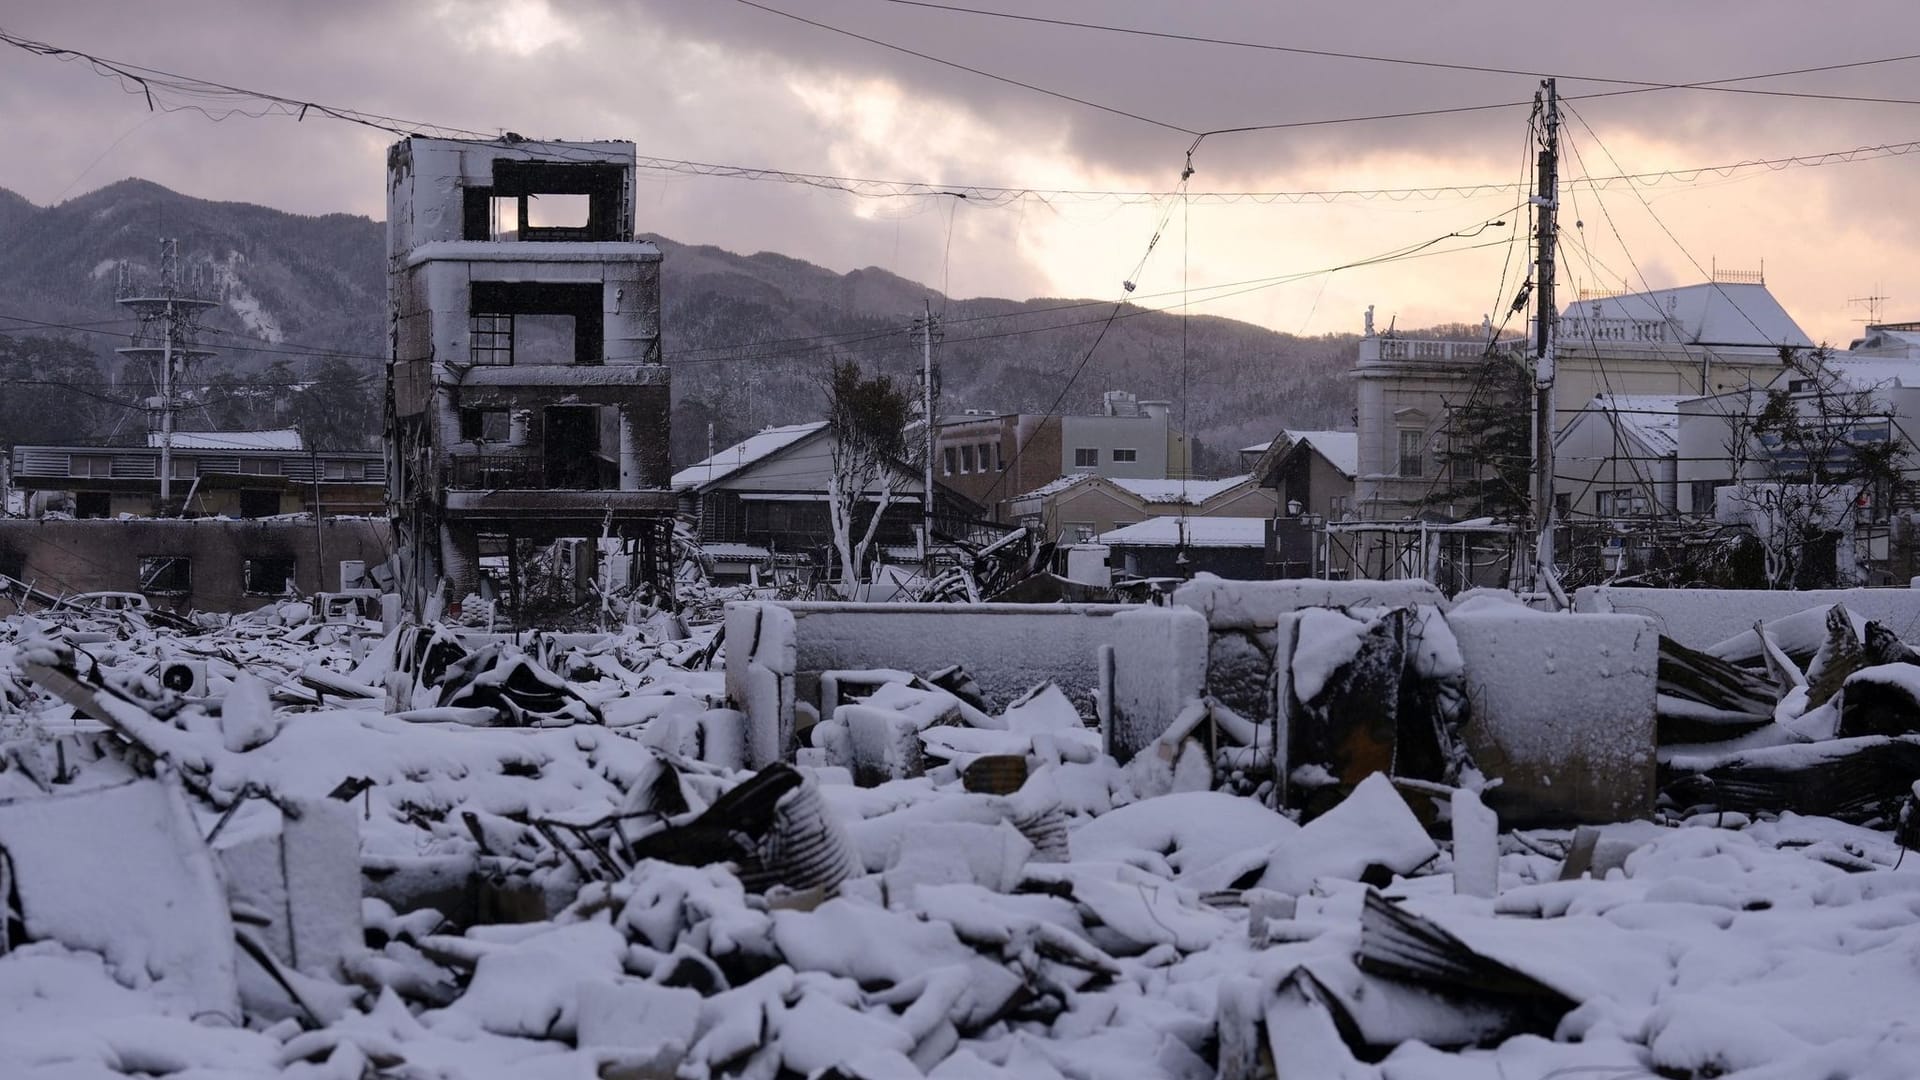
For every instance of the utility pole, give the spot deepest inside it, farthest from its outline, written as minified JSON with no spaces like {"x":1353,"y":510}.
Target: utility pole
{"x":926,"y":326}
{"x":1546,"y":200}
{"x":319,"y":538}
{"x":165,"y":338}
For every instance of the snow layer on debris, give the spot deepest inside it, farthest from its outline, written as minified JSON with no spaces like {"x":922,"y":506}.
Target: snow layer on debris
{"x":1172,"y":935}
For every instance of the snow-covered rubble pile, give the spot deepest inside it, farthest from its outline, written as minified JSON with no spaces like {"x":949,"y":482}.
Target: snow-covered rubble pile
{"x":596,"y":888}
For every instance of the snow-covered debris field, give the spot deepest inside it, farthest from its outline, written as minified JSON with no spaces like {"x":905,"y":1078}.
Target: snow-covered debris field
{"x":334,"y":852}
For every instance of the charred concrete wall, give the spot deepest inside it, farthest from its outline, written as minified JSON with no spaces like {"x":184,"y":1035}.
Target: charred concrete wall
{"x":776,"y":653}
{"x":227,"y":565}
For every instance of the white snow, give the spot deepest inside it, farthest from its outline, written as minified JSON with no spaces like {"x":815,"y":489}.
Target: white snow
{"x":748,"y":451}
{"x":1169,"y":935}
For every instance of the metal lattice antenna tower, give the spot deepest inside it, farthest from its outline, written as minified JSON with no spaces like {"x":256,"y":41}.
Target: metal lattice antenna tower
{"x":164,"y":343}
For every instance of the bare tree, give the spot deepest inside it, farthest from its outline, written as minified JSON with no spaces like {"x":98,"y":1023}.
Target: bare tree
{"x":873,"y":458}
{"x":1821,"y":443}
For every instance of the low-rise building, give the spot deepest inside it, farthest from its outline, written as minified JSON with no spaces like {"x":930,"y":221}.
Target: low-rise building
{"x":200,"y":564}
{"x":1075,"y":509}
{"x":764,"y":500}
{"x":1310,"y":472}
{"x":995,"y":458}
{"x":215,"y":474}
{"x":1619,"y":458}
{"x":1231,"y":547}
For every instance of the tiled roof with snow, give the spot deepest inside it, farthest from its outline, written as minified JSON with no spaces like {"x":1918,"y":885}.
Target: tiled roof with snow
{"x":1199,"y":532}
{"x":742,"y":454}
{"x":1710,"y":313}
{"x":1340,"y":448}
{"x":1654,"y":419}
{"x":1054,"y":486}
{"x":284,"y":439}
{"x":1176,"y":492}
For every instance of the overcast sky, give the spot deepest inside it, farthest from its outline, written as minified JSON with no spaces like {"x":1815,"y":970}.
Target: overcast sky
{"x":719,"y":81}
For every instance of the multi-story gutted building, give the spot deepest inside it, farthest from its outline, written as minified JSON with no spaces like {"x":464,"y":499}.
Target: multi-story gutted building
{"x":526,"y":398}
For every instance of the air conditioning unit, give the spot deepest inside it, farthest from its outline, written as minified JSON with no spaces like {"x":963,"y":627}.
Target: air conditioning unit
{"x":187,"y":678}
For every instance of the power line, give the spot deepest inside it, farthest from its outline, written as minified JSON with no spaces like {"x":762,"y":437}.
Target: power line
{"x":154,"y":84}
{"x":1718,"y":85}
{"x":973,"y":70}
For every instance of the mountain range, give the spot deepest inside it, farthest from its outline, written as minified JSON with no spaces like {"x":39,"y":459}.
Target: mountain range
{"x":748,"y":336}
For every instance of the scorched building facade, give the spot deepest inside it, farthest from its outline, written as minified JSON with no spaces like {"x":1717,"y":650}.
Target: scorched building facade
{"x":526,"y":396}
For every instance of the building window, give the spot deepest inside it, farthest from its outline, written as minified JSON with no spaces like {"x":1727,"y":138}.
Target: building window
{"x":259,"y":503}
{"x":987,"y":463}
{"x":165,"y":574}
{"x":484,"y":425}
{"x":490,"y":339}
{"x":1413,"y":458}
{"x":1705,"y":493}
{"x":92,"y":504}
{"x":91,"y":466}
{"x":1121,"y":456}
{"x":953,"y":460}
{"x":341,"y":470}
{"x":1621,"y":503}
{"x":1081,"y":532}
{"x":966,"y":458}
{"x":1339,"y":507}
{"x":1086,"y":457}
{"x":260,"y":466}
{"x":270,"y":576}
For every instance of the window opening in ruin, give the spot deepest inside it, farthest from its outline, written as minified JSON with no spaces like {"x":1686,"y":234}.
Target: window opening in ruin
{"x":485,"y":425}
{"x":268,"y":576}
{"x":165,"y":574}
{"x":558,"y":211}
{"x":528,"y":322}
{"x":491,"y":338}
{"x":543,"y":339}
{"x":573,"y":447}
{"x":259,"y":502}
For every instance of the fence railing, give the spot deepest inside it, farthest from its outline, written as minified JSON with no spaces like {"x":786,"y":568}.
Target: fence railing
{"x":497,"y":472}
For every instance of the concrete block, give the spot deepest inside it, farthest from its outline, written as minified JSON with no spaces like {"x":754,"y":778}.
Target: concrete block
{"x":1698,"y":618}
{"x":1160,"y":664}
{"x":1476,"y":847}
{"x":1562,"y":712}
{"x":1258,"y":605}
{"x":760,"y":660}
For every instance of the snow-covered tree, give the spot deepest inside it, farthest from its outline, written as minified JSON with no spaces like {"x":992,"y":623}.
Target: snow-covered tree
{"x":1824,"y":447}
{"x":867,"y":418}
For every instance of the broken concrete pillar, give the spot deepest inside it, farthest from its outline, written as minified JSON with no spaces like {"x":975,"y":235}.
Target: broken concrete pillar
{"x":630,"y":467}
{"x":1476,"y":846}
{"x":1563,"y":713}
{"x":1160,"y":664}
{"x":759,"y":667}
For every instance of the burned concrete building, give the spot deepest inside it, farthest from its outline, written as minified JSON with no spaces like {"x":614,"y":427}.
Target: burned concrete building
{"x":526,"y":398}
